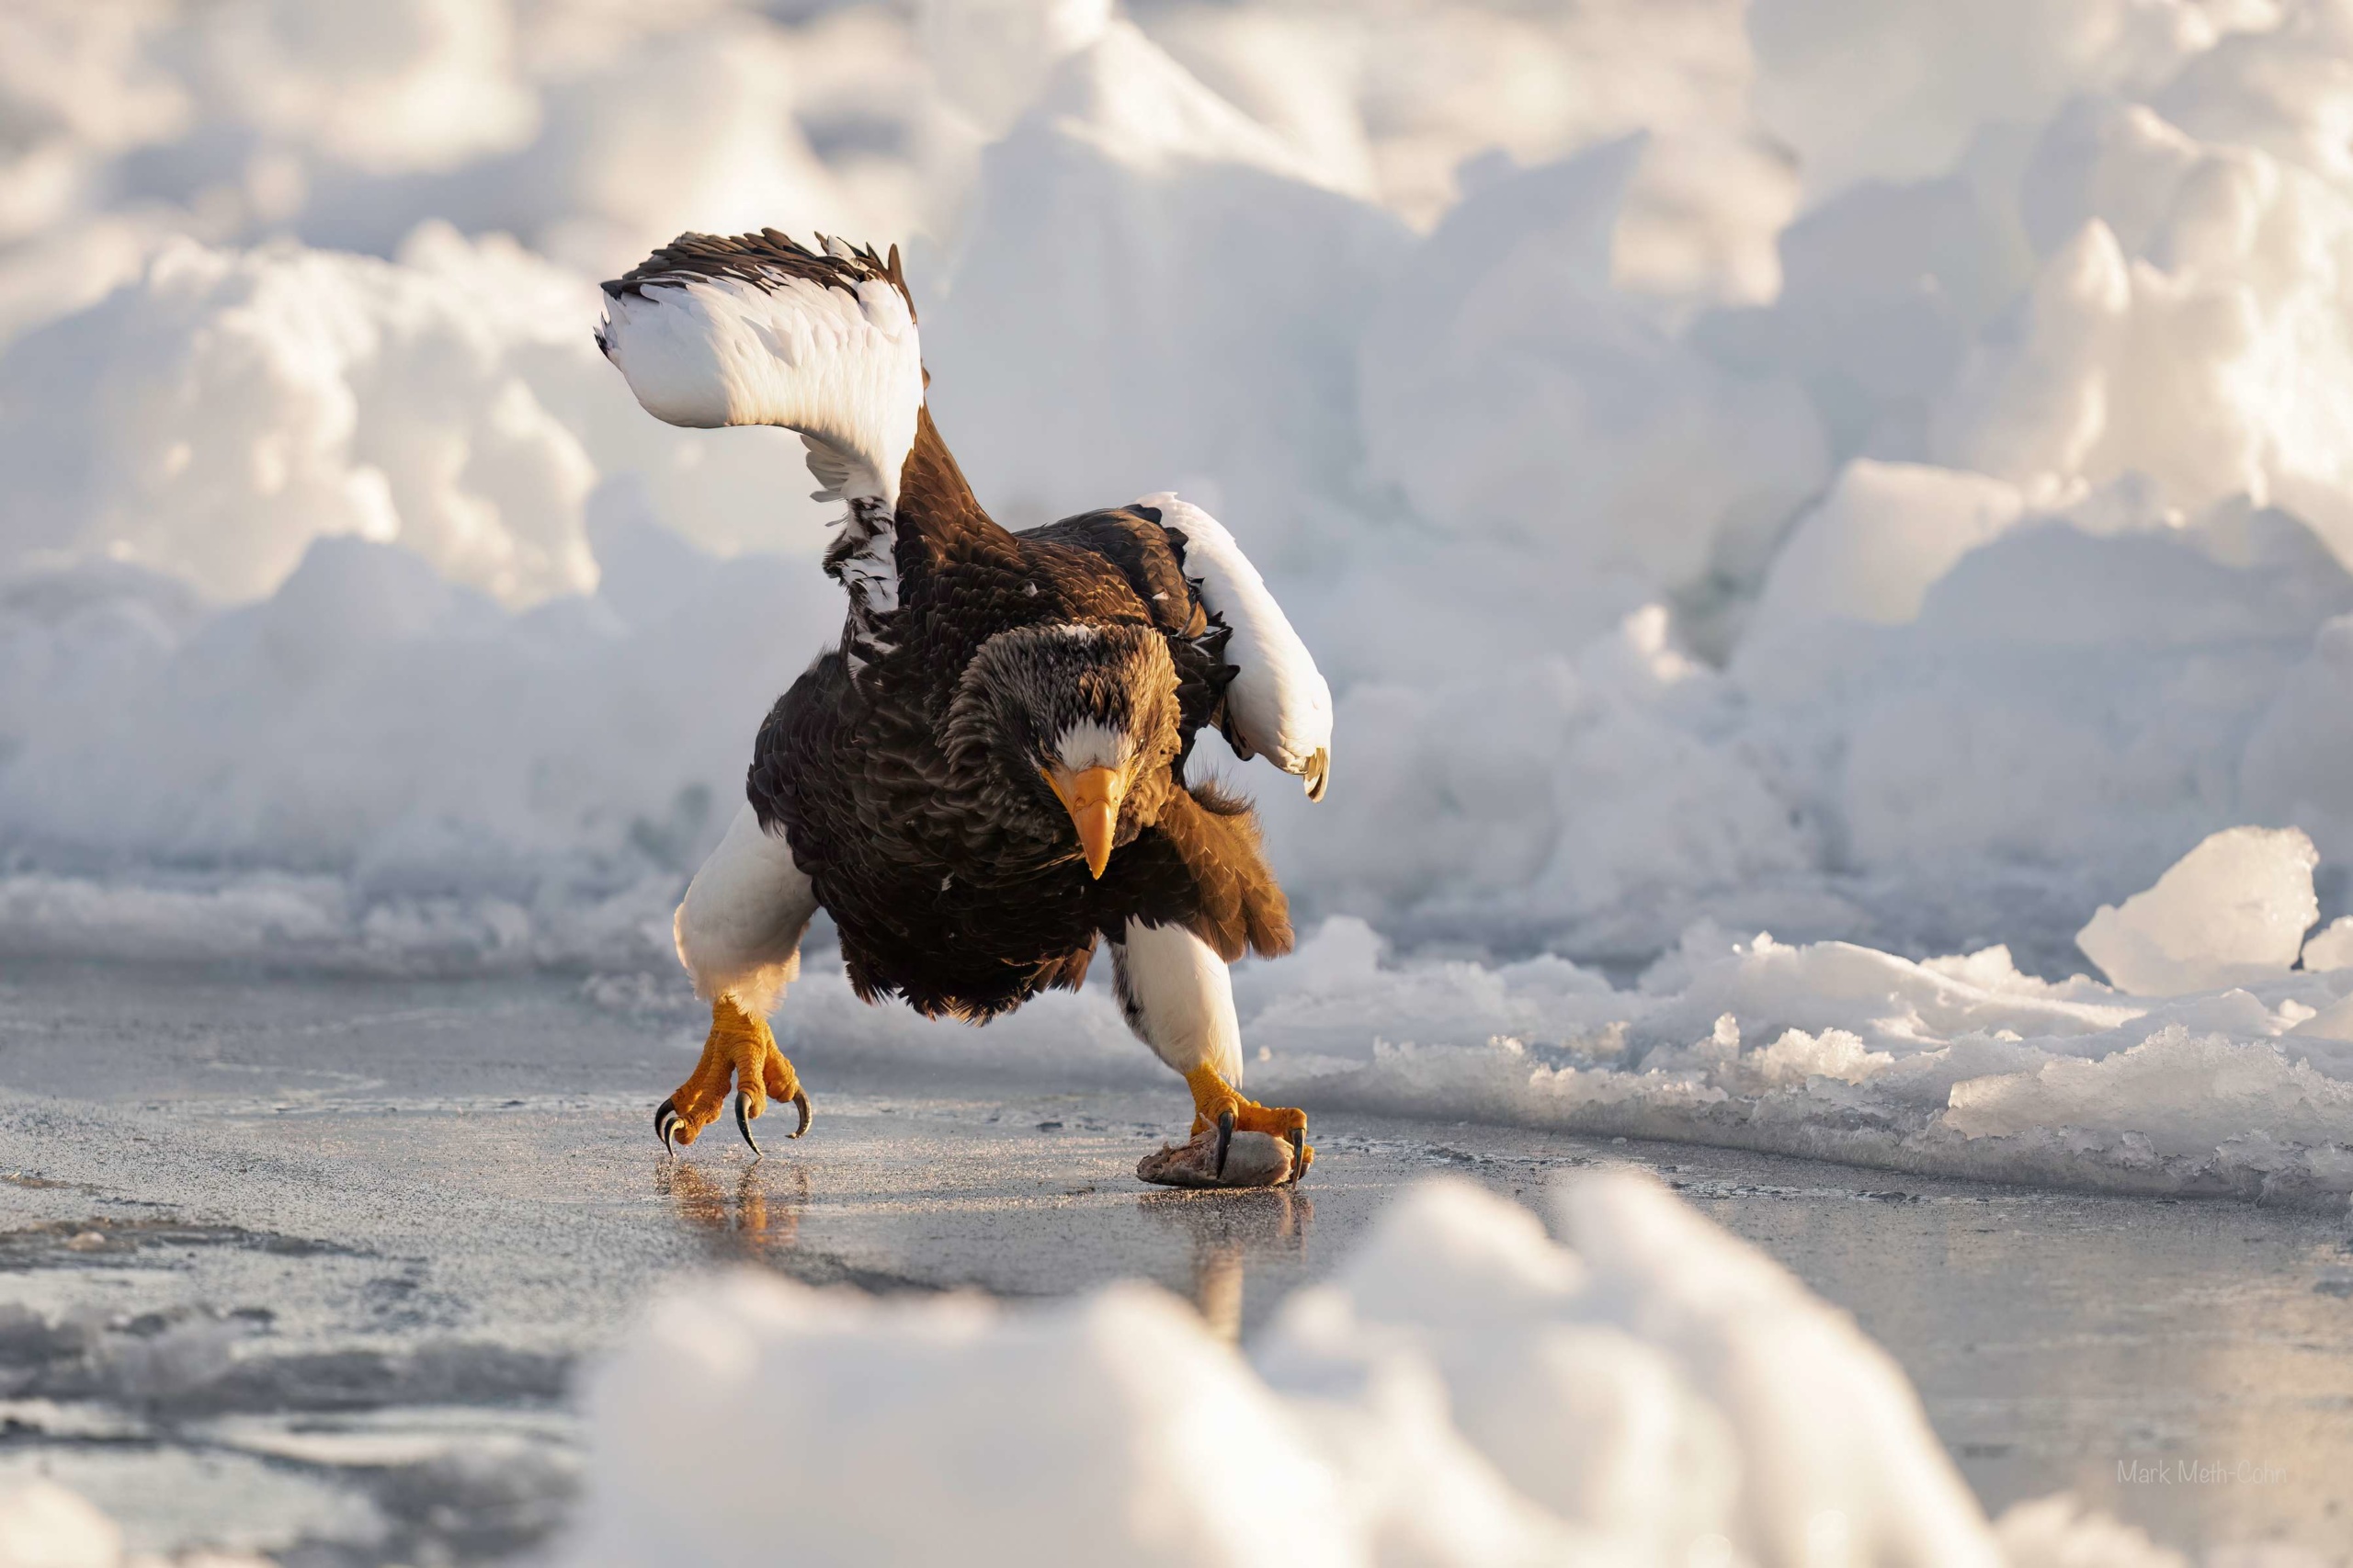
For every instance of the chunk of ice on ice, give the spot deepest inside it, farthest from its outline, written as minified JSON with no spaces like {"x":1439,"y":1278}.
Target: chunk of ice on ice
{"x":2231,"y":912}
{"x":2331,"y":946}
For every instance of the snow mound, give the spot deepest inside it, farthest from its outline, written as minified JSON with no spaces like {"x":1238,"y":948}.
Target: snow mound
{"x":1957,"y":1066}
{"x":214,"y":417}
{"x":1464,"y":1392}
{"x":1132,"y":219}
{"x":2232,"y":910}
{"x":1879,"y":540}
{"x":372,"y":731}
{"x":1512,"y":395}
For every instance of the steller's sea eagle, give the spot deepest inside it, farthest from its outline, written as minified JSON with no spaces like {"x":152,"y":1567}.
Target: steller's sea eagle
{"x":986,"y":774}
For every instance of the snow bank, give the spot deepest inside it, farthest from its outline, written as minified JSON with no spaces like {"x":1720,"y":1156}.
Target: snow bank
{"x":211,"y":418}
{"x":1511,"y":395}
{"x":1463,"y":1391}
{"x":373,"y":730}
{"x":1958,"y":1067}
{"x":1150,"y":276}
{"x":255,"y":401}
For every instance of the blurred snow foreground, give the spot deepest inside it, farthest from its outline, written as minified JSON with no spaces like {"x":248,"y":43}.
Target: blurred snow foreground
{"x":1880,"y":473}
{"x":1464,"y":1392}
{"x":44,"y":1525}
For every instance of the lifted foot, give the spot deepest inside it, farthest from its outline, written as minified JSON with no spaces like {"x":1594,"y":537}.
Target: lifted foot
{"x":741,"y":1051}
{"x":1216,"y":1105}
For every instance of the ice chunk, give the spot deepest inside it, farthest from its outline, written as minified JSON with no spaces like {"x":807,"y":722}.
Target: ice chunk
{"x":2231,"y":911}
{"x":2185,"y":1094}
{"x":2331,"y":946}
{"x":2332,"y":1022}
{"x":1884,"y":533}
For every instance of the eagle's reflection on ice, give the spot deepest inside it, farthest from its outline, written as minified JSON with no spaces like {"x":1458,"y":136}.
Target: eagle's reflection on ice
{"x":1228,"y":1228}
{"x":760,"y":1215}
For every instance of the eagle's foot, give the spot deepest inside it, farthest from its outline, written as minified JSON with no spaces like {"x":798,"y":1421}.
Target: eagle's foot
{"x":741,"y":1051}
{"x":1215,"y":1104}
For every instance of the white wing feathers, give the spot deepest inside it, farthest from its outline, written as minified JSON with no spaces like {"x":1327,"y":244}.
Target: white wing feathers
{"x":1280,"y":705}
{"x":840,"y":362}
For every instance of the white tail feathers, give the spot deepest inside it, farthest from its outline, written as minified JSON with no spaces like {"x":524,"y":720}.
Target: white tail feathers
{"x":758,"y":330}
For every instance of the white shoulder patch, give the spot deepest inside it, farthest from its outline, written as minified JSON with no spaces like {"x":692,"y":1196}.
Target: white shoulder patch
{"x":1279,"y":703}
{"x":843,"y":369}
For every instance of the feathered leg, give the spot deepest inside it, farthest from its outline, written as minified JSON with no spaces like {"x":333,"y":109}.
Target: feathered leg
{"x":739,"y":935}
{"x":1179,"y":998}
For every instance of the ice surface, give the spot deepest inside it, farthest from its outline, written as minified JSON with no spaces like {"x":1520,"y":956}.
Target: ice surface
{"x":1464,"y":1392}
{"x":1873,"y":473}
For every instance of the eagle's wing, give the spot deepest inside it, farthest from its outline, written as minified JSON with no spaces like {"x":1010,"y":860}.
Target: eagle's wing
{"x":757,"y":329}
{"x":1278,"y":705}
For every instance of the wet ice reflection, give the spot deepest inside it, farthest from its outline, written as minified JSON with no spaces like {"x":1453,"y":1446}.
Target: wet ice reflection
{"x":756,"y":1215}
{"x":1225,"y":1229}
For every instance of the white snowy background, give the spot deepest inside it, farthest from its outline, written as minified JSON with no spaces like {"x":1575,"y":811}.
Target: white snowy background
{"x":1877,"y":472}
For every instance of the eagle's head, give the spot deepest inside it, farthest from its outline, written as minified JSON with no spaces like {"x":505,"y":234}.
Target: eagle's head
{"x":1076,"y":720}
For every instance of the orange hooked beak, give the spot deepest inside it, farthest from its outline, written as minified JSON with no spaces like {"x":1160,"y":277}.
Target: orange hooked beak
{"x":1091,"y":796}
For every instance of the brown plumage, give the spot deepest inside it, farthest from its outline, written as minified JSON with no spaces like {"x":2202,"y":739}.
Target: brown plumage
{"x":908,"y":789}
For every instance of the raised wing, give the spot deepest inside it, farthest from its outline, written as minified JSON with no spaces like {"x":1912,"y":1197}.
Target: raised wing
{"x":1278,"y":705}
{"x":758,"y":329}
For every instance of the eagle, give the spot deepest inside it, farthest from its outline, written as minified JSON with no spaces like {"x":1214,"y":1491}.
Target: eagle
{"x":984,"y":778}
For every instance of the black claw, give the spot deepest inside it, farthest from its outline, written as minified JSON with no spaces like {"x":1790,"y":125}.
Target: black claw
{"x":800,"y":1103}
{"x":665,"y":1122}
{"x":744,"y":1124}
{"x":1224,"y":1139}
{"x":1298,"y":1153}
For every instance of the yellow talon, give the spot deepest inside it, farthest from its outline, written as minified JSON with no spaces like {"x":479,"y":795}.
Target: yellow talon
{"x":1215,"y":1104}
{"x":741,"y":1051}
